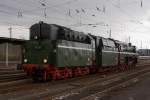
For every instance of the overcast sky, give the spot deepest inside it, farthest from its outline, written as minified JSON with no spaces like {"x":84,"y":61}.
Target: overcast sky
{"x":125,"y":18}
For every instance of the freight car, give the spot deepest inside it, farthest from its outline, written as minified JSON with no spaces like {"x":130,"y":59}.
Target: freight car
{"x":56,"y":52}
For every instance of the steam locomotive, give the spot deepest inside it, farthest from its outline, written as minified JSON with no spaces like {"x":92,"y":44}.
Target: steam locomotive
{"x":56,"y":52}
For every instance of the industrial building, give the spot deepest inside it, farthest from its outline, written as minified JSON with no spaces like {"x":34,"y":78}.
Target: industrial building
{"x":144,"y":52}
{"x":10,"y":51}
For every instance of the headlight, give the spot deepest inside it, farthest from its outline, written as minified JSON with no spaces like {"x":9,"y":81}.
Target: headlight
{"x":88,"y":59}
{"x":35,"y":37}
{"x":45,"y":60}
{"x":54,"y":51}
{"x":25,"y":60}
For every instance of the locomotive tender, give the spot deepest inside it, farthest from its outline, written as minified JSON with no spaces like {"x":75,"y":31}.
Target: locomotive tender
{"x":56,"y":52}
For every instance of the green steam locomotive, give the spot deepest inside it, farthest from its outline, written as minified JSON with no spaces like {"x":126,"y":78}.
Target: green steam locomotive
{"x":56,"y":52}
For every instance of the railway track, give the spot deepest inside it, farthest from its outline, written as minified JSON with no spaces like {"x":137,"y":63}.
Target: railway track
{"x":4,"y":72}
{"x":80,"y":87}
{"x":61,"y":88}
{"x":101,"y":94}
{"x":94,"y":87}
{"x":12,"y":77}
{"x":11,"y":74}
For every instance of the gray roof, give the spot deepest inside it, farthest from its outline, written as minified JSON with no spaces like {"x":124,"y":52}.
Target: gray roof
{"x":11,"y":40}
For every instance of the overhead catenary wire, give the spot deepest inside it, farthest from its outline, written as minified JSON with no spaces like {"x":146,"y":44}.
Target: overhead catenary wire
{"x":23,"y":11}
{"x":54,"y":18}
{"x":124,"y":12}
{"x":65,"y":3}
{"x":131,"y":18}
{"x":70,"y":12}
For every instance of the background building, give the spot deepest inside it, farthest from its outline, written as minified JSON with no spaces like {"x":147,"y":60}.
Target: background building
{"x":10,"y":51}
{"x":144,"y":52}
